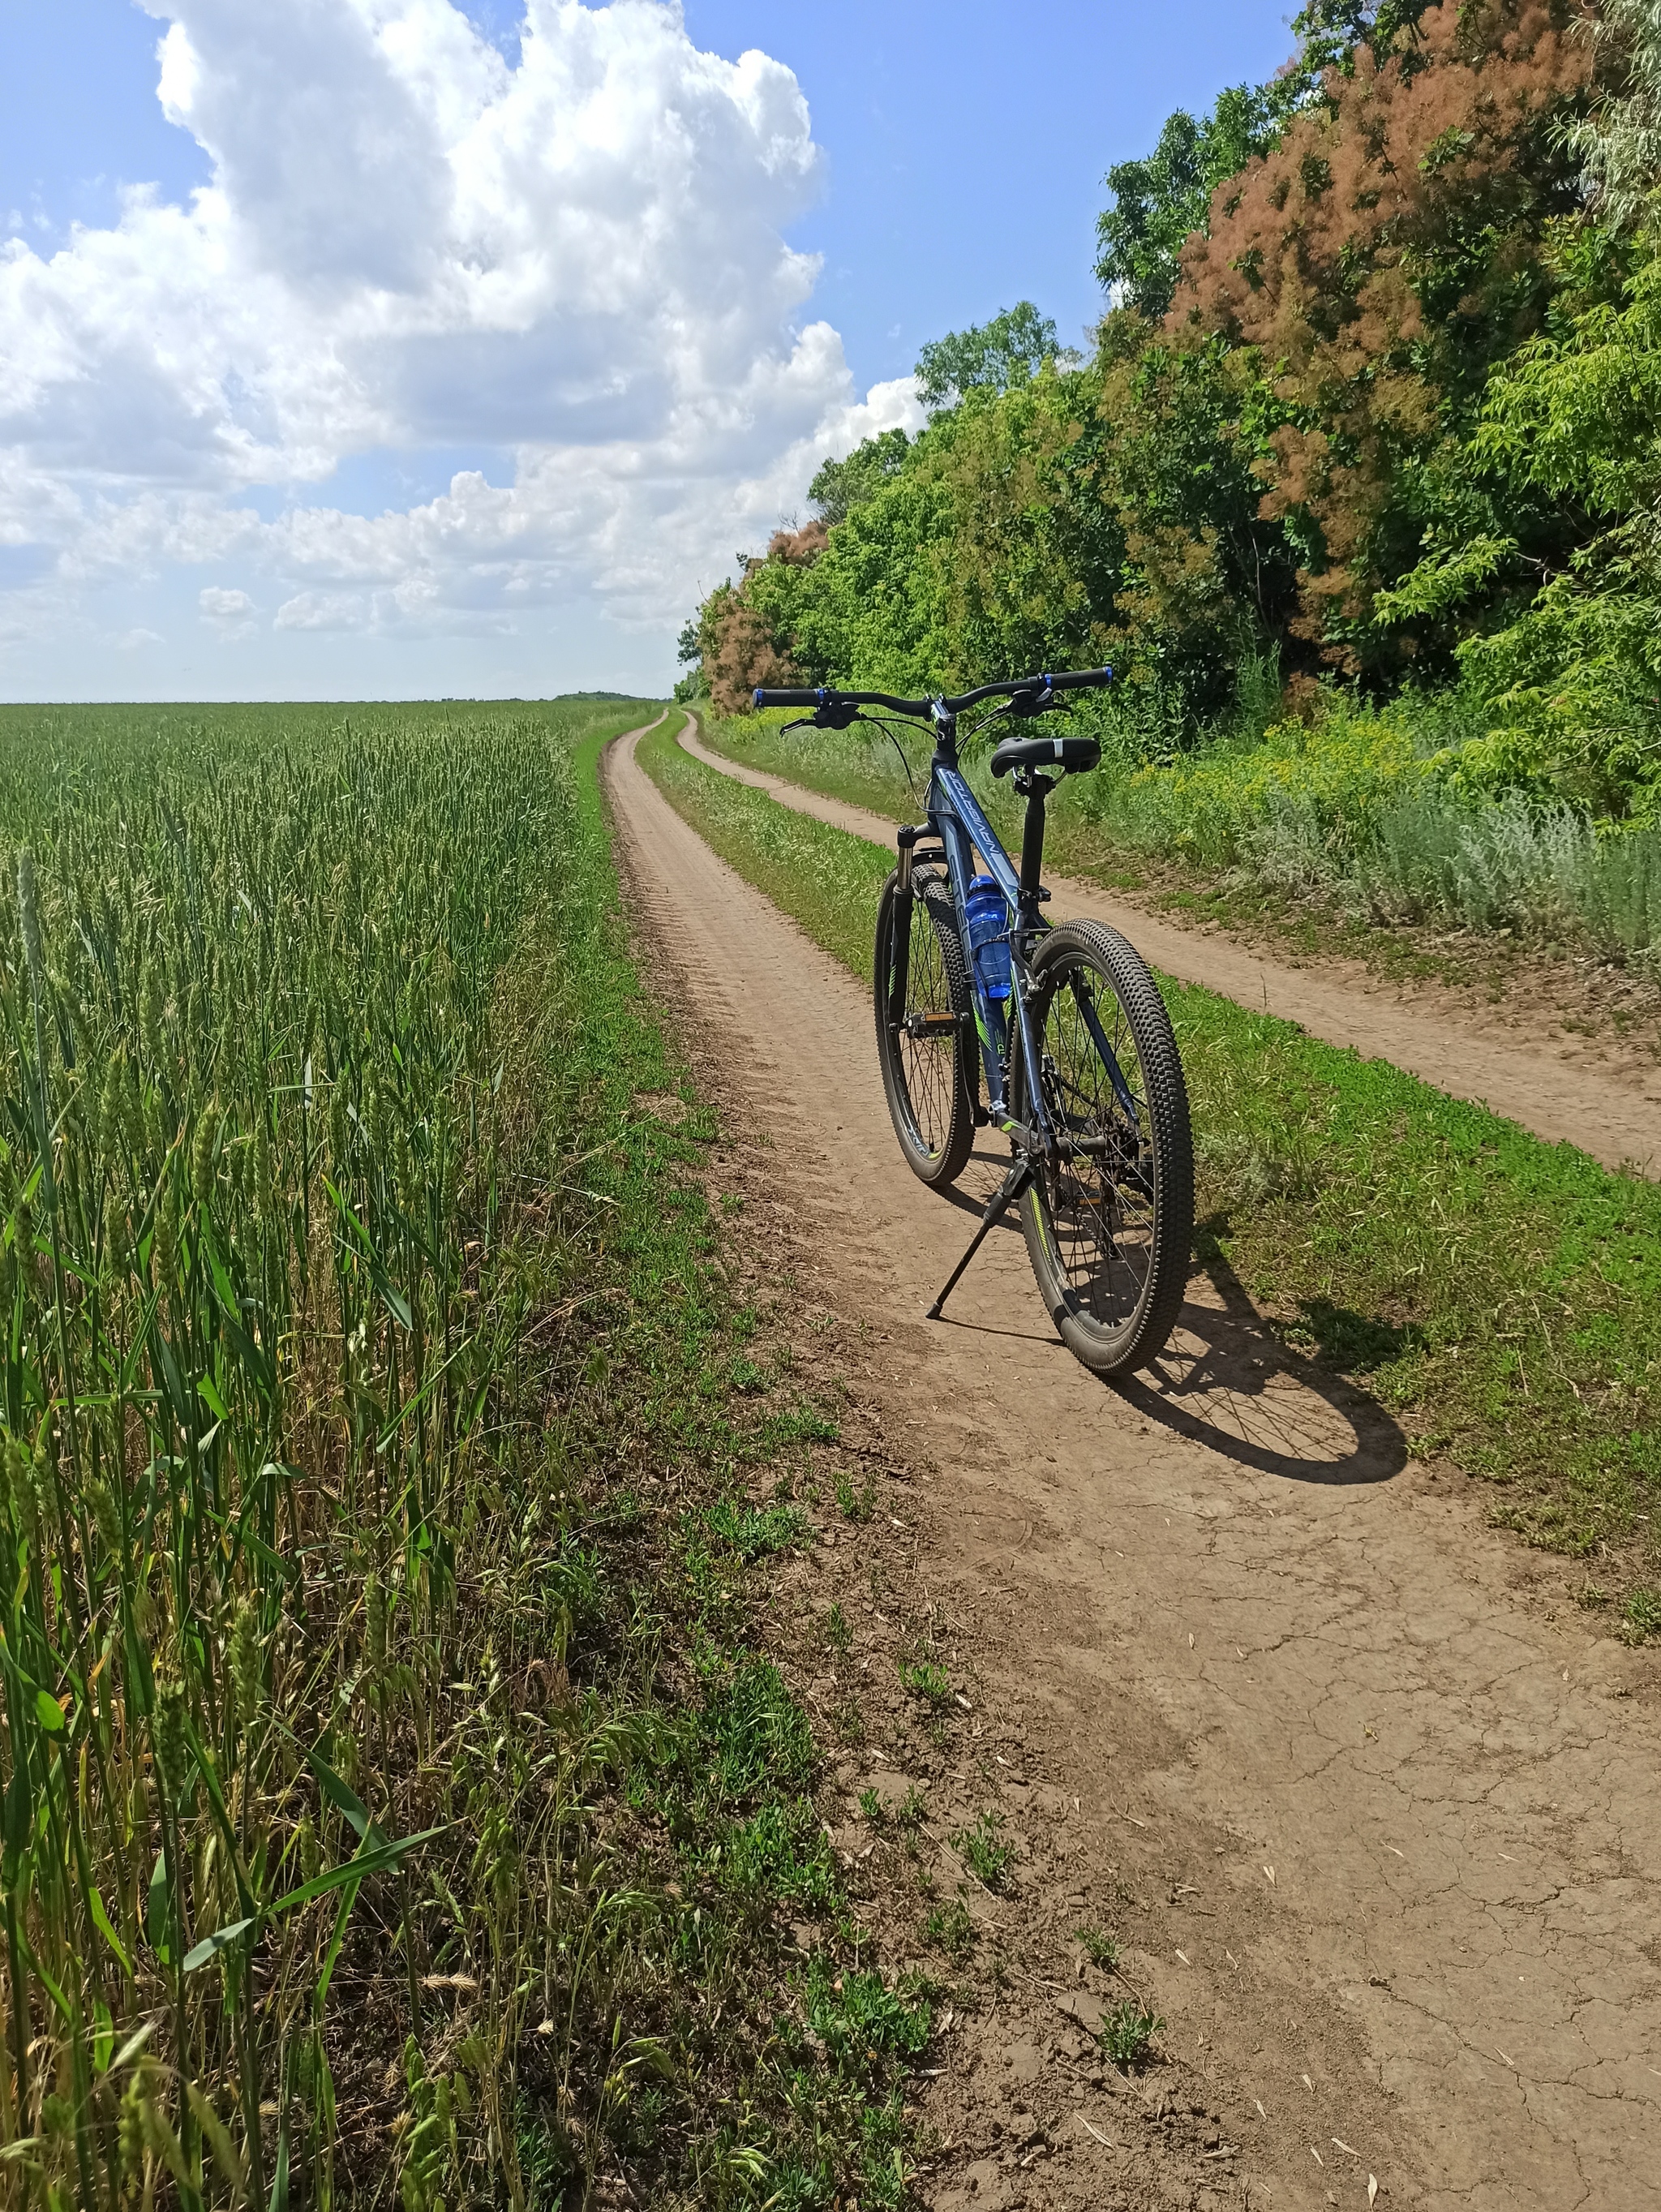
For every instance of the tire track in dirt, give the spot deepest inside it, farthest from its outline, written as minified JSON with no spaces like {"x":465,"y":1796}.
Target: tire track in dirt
{"x":1433,"y":1796}
{"x":1531,"y":1075}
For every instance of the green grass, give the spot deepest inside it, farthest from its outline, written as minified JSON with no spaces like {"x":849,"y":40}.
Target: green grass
{"x":382,"y":1724}
{"x":1101,"y":1949}
{"x":983,"y":1850}
{"x":1349,"y":824}
{"x":950,"y":1926}
{"x":820,"y":877}
{"x":1499,"y":1296}
{"x":1127,"y":2035}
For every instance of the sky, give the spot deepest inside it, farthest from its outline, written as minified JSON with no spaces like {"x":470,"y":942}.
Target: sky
{"x":357,"y":348}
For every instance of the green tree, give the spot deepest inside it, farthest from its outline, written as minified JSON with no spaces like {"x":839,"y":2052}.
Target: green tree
{"x":1379,"y":263}
{"x":840,"y":486}
{"x":1620,"y":143}
{"x":1160,"y":200}
{"x":991,"y":356}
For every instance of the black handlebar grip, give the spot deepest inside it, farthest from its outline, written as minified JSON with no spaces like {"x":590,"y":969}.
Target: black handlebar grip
{"x":765,"y":698}
{"x":1079,"y":679}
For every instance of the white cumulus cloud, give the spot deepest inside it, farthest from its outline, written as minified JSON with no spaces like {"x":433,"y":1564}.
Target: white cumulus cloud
{"x":227,"y":610}
{"x":577,"y":262}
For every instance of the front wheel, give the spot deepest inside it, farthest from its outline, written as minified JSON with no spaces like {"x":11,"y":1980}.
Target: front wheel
{"x":925,"y":1027}
{"x":1108,"y":1228}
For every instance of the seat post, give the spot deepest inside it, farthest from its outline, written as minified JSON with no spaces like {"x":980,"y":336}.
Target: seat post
{"x":1037,"y":789}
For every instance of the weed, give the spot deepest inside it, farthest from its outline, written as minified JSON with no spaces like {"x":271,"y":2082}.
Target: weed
{"x":987,"y":1857}
{"x":950,"y":1926}
{"x":859,"y":2017}
{"x":913,"y":1808}
{"x":755,"y":1733}
{"x":804,"y":1425}
{"x":927,"y":1680}
{"x":1642,"y":1614}
{"x":872,"y":1809}
{"x":850,"y":1722}
{"x":781,"y":1852}
{"x":838,"y":1637}
{"x":746,"y":1376}
{"x":855,"y":1504}
{"x":756,"y":1531}
{"x":1100,"y":1948}
{"x":1127,"y":2035}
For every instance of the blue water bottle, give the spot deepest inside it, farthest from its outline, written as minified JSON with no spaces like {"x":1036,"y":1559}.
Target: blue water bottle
{"x":989,"y":936}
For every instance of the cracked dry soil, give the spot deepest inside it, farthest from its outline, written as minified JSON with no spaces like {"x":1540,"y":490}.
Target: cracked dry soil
{"x":1375,"y":1814}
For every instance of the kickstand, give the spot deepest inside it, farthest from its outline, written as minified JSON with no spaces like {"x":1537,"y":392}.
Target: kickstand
{"x":1004,"y":1196}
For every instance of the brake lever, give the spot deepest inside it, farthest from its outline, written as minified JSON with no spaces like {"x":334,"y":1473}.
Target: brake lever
{"x":823,"y":718}
{"x":1023,"y":708}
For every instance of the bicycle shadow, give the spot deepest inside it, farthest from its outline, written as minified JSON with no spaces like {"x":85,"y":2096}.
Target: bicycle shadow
{"x":1226,"y":1381}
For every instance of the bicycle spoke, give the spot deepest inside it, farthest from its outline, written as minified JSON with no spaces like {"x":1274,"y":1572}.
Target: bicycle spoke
{"x":1101,"y":1203}
{"x":928,"y":1063}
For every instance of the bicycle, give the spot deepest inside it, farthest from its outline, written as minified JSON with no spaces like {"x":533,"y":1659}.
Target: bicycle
{"x":1062,"y":1025}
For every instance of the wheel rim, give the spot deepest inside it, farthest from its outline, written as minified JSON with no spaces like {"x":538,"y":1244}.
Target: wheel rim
{"x":1101,"y":1208}
{"x":927,"y":1065}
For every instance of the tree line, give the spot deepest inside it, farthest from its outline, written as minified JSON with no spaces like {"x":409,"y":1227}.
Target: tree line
{"x":1372,"y":409}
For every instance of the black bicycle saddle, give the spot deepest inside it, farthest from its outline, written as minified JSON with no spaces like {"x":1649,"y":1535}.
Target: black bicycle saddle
{"x":1072,"y":755}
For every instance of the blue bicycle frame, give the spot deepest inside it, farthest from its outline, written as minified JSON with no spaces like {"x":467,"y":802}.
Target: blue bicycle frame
{"x":956,"y":818}
{"x":1095,"y":1159}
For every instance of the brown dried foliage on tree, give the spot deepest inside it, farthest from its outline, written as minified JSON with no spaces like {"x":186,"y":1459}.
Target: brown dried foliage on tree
{"x":741,"y":648}
{"x":1381,"y":260}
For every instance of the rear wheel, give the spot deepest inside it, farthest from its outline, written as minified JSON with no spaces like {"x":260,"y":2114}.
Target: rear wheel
{"x":925,"y":1042}
{"x":1108,"y":1229}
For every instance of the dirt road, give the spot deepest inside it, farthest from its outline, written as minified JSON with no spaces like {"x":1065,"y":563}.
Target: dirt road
{"x":1553,"y":1081}
{"x":1409,"y":1806}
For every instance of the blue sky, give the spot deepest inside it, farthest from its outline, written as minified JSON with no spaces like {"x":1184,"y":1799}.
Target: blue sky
{"x":183,"y":527}
{"x":967,"y":143}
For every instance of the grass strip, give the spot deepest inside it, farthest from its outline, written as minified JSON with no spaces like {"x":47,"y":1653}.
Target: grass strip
{"x":1089,"y":837}
{"x":1503,"y":1293}
{"x":821,"y":877}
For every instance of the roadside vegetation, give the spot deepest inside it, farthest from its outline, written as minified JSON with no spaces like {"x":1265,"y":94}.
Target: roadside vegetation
{"x":1501,"y":1297}
{"x":1355,"y":486}
{"x":398,"y":1805}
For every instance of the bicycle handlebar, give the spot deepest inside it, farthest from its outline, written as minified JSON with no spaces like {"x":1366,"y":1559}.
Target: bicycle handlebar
{"x":1076,"y":679}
